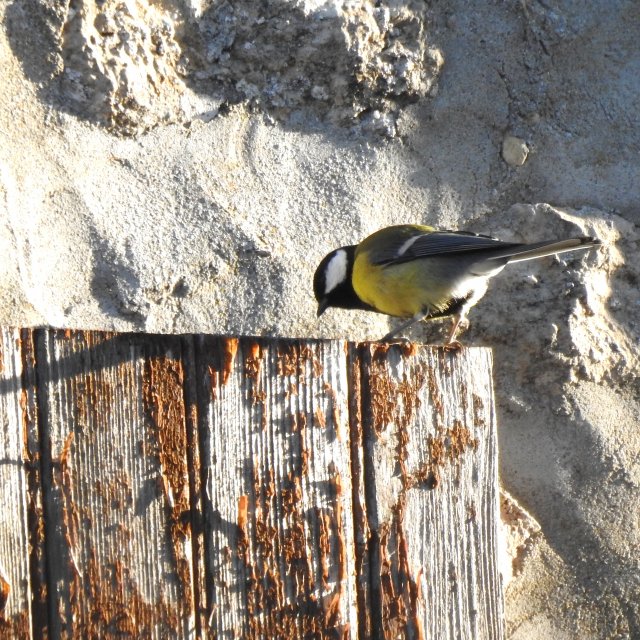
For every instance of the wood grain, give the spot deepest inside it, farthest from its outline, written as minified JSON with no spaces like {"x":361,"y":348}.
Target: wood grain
{"x":116,"y":485}
{"x":209,"y":487}
{"x":22,"y":579}
{"x":432,"y":492}
{"x":279,"y":529}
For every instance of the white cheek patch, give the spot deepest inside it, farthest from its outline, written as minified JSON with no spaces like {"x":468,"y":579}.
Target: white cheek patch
{"x":336,"y":272}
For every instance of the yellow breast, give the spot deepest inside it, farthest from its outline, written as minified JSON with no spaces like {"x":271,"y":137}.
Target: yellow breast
{"x":401,"y":290}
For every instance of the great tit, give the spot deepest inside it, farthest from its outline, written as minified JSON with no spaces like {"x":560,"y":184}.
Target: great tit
{"x":419,"y":273}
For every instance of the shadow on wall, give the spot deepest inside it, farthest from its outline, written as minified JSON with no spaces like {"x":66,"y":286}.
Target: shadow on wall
{"x":133,"y":65}
{"x":115,"y":283}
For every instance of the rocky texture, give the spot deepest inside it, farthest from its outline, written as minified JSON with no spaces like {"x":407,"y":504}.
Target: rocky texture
{"x":519,"y":536}
{"x":134,"y":64}
{"x":182,"y":165}
{"x":514,"y":151}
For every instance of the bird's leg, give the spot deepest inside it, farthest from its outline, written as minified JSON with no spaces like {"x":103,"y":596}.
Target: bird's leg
{"x":421,"y":315}
{"x":458,"y":319}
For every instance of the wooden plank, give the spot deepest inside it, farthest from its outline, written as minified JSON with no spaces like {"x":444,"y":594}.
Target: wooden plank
{"x":21,"y":523}
{"x":432,"y":493}
{"x":362,"y":531}
{"x":277,"y":456}
{"x":116,"y":485}
{"x":206,"y":487}
{"x":196,"y":485}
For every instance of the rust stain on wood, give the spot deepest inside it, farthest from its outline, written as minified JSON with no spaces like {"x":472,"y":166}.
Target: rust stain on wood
{"x":287,"y":360}
{"x":243,"y":506}
{"x":392,"y":402}
{"x":362,"y":533}
{"x":447,"y":446}
{"x":307,"y":354}
{"x":16,"y":627}
{"x":287,"y":551}
{"x":229,"y":350}
{"x":460,"y":439}
{"x":324,"y":547}
{"x":164,"y":404}
{"x":463,"y":396}
{"x":266,"y":592}
{"x":293,"y":357}
{"x":409,"y":590}
{"x":274,"y":611}
{"x":409,"y":349}
{"x":290,"y":552}
{"x":94,"y":399}
{"x":435,"y":395}
{"x":478,"y":411}
{"x":117,"y":608}
{"x":213,"y":381}
{"x":399,"y":587}
{"x":396,"y":402}
{"x":163,"y":397}
{"x":116,"y":493}
{"x":252,"y":361}
{"x":27,"y":421}
{"x":402,"y":615}
{"x":382,"y":390}
{"x":299,"y":426}
{"x":35,"y":514}
{"x":332,"y":603}
{"x":69,"y":611}
{"x":252,"y":367}
{"x":62,"y":479}
{"x":335,"y":411}
{"x":5,"y":589}
{"x":194,"y":463}
{"x":337,"y":518}
{"x":319,"y":418}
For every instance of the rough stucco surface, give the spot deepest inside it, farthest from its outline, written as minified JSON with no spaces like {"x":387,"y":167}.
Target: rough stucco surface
{"x":182,"y":166}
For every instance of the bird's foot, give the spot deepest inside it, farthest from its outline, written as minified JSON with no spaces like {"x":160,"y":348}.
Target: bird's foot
{"x":459,"y":321}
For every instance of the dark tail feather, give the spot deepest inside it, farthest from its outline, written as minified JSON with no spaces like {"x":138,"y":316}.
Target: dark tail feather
{"x":546,"y":248}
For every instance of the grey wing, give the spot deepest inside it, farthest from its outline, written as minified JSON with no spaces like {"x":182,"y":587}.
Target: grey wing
{"x":438,"y":243}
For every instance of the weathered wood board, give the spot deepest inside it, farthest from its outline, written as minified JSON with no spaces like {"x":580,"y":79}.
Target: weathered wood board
{"x":278,"y":488}
{"x":197,"y":486}
{"x":114,"y":458}
{"x":22,"y":577}
{"x":432,"y":491}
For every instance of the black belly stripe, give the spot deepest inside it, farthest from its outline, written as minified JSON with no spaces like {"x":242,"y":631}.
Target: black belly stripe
{"x":454,"y":306}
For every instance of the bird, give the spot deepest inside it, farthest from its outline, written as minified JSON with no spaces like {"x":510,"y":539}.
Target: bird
{"x":419,"y":273}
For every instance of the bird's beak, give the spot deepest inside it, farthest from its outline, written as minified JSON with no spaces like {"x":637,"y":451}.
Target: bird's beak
{"x":323,"y":306}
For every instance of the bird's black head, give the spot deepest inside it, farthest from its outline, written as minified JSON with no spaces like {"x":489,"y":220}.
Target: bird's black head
{"x":332,"y":281}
